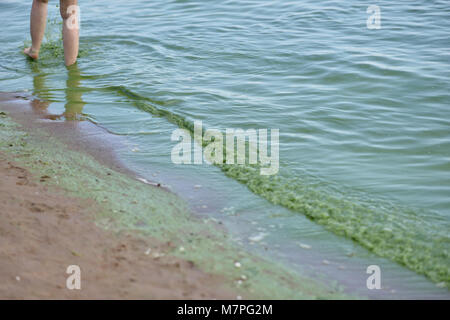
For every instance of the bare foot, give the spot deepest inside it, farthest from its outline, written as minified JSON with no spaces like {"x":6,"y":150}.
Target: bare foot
{"x":31,"y":53}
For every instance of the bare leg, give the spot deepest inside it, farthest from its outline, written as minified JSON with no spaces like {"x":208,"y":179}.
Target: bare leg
{"x":71,"y":30}
{"x":38,"y":19}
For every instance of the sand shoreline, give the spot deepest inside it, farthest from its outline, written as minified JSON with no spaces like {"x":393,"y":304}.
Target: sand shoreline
{"x":69,"y":153}
{"x":43,"y":231}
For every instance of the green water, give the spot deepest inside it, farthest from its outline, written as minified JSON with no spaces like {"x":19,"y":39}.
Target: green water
{"x":363,"y":116}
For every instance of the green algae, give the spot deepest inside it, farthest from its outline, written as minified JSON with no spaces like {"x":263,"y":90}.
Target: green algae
{"x":390,"y":231}
{"x":124,"y":203}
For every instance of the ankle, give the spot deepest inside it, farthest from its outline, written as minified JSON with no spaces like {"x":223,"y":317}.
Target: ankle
{"x":34,"y":50}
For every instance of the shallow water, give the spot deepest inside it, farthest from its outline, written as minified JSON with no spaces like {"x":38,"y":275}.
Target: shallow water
{"x":363,"y":118}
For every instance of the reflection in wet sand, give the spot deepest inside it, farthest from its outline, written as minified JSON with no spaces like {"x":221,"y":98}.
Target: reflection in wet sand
{"x":74,"y":102}
{"x":73,"y":93}
{"x":40,"y":90}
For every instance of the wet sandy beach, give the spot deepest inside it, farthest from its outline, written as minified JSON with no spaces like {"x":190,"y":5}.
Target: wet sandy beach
{"x":43,"y":231}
